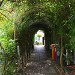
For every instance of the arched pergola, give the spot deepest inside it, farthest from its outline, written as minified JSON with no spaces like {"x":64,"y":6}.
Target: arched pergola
{"x":27,"y":35}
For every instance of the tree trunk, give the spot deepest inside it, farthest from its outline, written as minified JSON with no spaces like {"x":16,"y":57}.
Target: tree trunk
{"x":61,"y":53}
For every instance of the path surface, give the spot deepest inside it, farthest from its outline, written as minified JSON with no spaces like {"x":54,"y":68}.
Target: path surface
{"x":39,"y":64}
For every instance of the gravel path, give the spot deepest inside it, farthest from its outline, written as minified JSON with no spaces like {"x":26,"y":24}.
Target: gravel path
{"x":39,"y":64}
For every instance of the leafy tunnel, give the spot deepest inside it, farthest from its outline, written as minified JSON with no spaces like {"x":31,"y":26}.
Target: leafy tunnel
{"x":21,"y":19}
{"x":26,"y":37}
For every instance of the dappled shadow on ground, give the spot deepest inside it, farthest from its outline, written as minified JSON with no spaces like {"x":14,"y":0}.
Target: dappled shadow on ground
{"x":39,"y":63}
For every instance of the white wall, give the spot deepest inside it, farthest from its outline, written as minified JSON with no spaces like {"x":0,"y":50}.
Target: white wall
{"x":40,"y":32}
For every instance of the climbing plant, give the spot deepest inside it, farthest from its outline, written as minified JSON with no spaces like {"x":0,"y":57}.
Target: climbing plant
{"x":17,"y":16}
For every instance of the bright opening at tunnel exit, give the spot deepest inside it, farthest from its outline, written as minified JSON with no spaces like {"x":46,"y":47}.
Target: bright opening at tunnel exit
{"x":39,"y":38}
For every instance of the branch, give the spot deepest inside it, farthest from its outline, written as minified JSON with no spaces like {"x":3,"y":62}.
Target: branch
{"x":5,"y":16}
{"x":4,"y":10}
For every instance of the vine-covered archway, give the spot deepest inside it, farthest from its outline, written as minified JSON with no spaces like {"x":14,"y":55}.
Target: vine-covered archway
{"x":24,"y":18}
{"x":26,"y":36}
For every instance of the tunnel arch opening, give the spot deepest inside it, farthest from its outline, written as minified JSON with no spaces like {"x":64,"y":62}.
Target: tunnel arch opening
{"x":26,"y":39}
{"x":39,"y":38}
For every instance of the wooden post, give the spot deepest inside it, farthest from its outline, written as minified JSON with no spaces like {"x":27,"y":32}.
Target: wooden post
{"x":61,"y":53}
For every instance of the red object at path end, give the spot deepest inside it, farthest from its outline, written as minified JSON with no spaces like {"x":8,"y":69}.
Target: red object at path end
{"x":53,"y":51}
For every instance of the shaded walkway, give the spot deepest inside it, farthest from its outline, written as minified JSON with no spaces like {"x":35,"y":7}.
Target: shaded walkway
{"x":39,"y":64}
